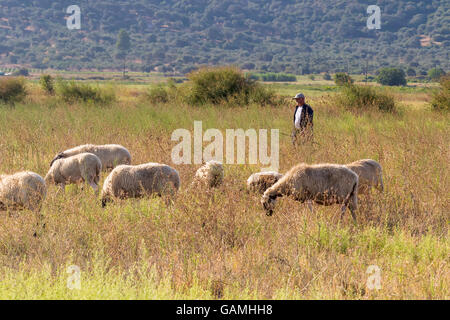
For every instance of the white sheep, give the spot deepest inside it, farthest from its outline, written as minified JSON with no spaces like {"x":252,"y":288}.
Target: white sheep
{"x":211,"y":174}
{"x":83,"y":167}
{"x":261,"y":181}
{"x":111,"y":155}
{"x":324,"y":184}
{"x":22,"y":190}
{"x":370,"y":175}
{"x":127,"y":181}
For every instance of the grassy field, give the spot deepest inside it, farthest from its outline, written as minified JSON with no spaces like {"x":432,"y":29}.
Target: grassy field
{"x":219,"y":244}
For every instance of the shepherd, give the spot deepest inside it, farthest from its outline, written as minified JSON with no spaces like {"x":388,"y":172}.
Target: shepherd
{"x":303,"y":120}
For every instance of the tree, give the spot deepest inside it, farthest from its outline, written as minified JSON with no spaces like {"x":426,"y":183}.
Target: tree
{"x":435,"y":74}
{"x":411,"y":72}
{"x":391,"y":77}
{"x":123,"y":46}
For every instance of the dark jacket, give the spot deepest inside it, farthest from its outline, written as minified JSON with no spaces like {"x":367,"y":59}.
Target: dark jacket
{"x":306,"y":116}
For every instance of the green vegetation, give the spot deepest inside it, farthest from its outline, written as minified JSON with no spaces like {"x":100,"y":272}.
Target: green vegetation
{"x":435,"y":74}
{"x":273,"y":77}
{"x":219,"y":243}
{"x":175,"y":36}
{"x":391,"y":77}
{"x":441,"y":99}
{"x":215,"y":85}
{"x":342,"y":79}
{"x":72,"y":91}
{"x":47,"y":83}
{"x":123,"y":46}
{"x":363,"y":98}
{"x":12,"y":90}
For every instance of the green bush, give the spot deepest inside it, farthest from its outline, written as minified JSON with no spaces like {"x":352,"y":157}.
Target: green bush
{"x":72,"y":91}
{"x":326,"y":76}
{"x":435,"y":74}
{"x":391,"y":77}
{"x":12,"y":90}
{"x":273,"y":77}
{"x":342,"y":79}
{"x":46,"y":82}
{"x":157,"y":94}
{"x":441,"y":99}
{"x":354,"y":97}
{"x":217,"y":85}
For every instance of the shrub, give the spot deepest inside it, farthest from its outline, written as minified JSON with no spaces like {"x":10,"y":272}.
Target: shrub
{"x":326,"y":76}
{"x":12,"y":90}
{"x":273,"y":77}
{"x":342,"y":79}
{"x":356,"y":97}
{"x":435,"y":74}
{"x":157,"y":94}
{"x":216,"y":85}
{"x":441,"y":99}
{"x":411,"y":72}
{"x":72,"y":91}
{"x":391,"y":77}
{"x":46,"y":82}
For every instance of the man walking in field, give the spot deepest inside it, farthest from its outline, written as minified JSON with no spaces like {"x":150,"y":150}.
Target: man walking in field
{"x":303,"y":120}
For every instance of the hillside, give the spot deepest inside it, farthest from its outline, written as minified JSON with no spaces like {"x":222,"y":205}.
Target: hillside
{"x":295,"y":36}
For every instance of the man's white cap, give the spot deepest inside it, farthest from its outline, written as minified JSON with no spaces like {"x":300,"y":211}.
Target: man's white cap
{"x":299,"y":95}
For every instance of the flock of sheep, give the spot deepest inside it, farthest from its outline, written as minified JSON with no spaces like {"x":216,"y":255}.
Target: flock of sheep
{"x":323,"y":184}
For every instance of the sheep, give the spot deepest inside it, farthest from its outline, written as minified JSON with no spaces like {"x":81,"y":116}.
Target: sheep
{"x":83,"y":167}
{"x":261,"y":181}
{"x":110,"y":155}
{"x":369,"y":173}
{"x":127,"y":181}
{"x":324,"y":184}
{"x":22,"y":190}
{"x":211,"y":174}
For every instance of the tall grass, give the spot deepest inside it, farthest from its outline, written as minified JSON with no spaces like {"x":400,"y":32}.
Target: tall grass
{"x":441,"y":98}
{"x":72,"y":91}
{"x":219,"y":243}
{"x":361,"y":98}
{"x":12,"y":90}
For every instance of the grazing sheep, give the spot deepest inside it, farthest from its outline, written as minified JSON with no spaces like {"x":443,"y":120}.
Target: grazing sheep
{"x":261,"y":181}
{"x":324,"y":184}
{"x":369,"y":173}
{"x":136,"y":181}
{"x":83,"y":167}
{"x":111,"y":155}
{"x":211,"y":173}
{"x":22,"y":190}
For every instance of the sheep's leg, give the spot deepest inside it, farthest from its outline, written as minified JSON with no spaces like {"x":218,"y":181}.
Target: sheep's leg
{"x":343,"y":208}
{"x":94,"y":186}
{"x":310,"y":206}
{"x":62,"y":187}
{"x":352,"y":211}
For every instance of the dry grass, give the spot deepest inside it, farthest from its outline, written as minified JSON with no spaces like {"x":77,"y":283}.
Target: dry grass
{"x":219,"y":244}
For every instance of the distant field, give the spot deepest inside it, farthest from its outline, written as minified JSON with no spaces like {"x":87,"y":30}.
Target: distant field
{"x":219,"y":244}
